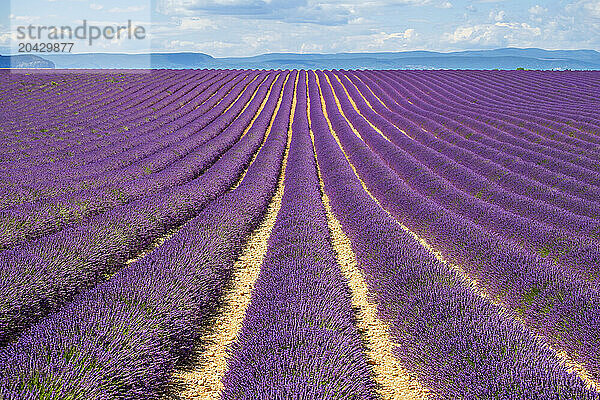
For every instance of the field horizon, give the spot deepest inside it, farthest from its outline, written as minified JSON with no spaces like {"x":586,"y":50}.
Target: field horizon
{"x":501,"y":58}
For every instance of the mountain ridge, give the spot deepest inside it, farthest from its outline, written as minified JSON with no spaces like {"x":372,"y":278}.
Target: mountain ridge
{"x":503,"y":58}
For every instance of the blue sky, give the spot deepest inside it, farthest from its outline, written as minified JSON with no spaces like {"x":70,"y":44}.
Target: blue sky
{"x":248,"y":27}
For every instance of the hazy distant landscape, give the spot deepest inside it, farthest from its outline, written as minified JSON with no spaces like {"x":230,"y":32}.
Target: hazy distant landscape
{"x":505,"y":58}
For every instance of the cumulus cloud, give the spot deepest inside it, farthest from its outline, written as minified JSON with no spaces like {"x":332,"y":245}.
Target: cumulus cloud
{"x":322,"y":12}
{"x":311,"y":48}
{"x":23,"y":19}
{"x":5,"y":38}
{"x":497,"y":16}
{"x":227,"y":7}
{"x":379,"y":41}
{"x":196,"y":23}
{"x":300,"y":11}
{"x":129,"y":9}
{"x":497,"y":34}
{"x":589,"y":8}
{"x":537,"y":13}
{"x":592,"y":7}
{"x":183,"y":45}
{"x":408,"y":34}
{"x":537,"y":10}
{"x":248,"y":27}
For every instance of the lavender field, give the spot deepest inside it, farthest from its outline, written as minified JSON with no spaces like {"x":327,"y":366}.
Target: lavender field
{"x":252,"y":234}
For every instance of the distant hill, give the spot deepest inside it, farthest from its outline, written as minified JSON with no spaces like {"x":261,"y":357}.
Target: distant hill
{"x":413,"y":60}
{"x":155,"y":60}
{"x":25,"y":61}
{"x":507,"y":58}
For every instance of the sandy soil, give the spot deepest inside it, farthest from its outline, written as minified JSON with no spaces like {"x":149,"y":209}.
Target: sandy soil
{"x":204,"y":381}
{"x":394,"y":381}
{"x":568,"y":361}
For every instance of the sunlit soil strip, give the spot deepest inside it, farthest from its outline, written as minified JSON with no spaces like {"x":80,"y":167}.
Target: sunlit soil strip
{"x":205,"y":381}
{"x":261,"y":107}
{"x":216,"y":92}
{"x":370,"y":106}
{"x":380,"y":102}
{"x":394,"y":381}
{"x":155,"y":243}
{"x":160,"y":240}
{"x":356,"y":107}
{"x":339,"y":106}
{"x":241,"y":178}
{"x":241,"y":93}
{"x":477,"y":287}
{"x":385,"y":106}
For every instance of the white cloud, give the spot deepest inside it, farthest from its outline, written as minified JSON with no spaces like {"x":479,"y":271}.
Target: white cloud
{"x":25,"y":19}
{"x":537,"y":10}
{"x":129,"y":9}
{"x":379,"y":41}
{"x":5,"y":38}
{"x":197,"y":23}
{"x":497,"y":16}
{"x":593,"y":7}
{"x":95,"y":6}
{"x":357,"y":21}
{"x":408,"y":34}
{"x":248,"y":27}
{"x":589,"y":7}
{"x":321,"y":12}
{"x":311,"y":48}
{"x":497,"y":34}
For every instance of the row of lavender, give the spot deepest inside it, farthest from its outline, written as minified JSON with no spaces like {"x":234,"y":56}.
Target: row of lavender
{"x":41,"y":275}
{"x":122,"y":338}
{"x":139,"y":104}
{"x":151,"y":160}
{"x":102,"y":171}
{"x":124,"y":147}
{"x":419,"y":93}
{"x":556,"y":296}
{"x":544,"y":160}
{"x":53,"y":96}
{"x":180,"y":162}
{"x":458,"y":343}
{"x":519,"y":219}
{"x":301,"y":308}
{"x":432,"y":195}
